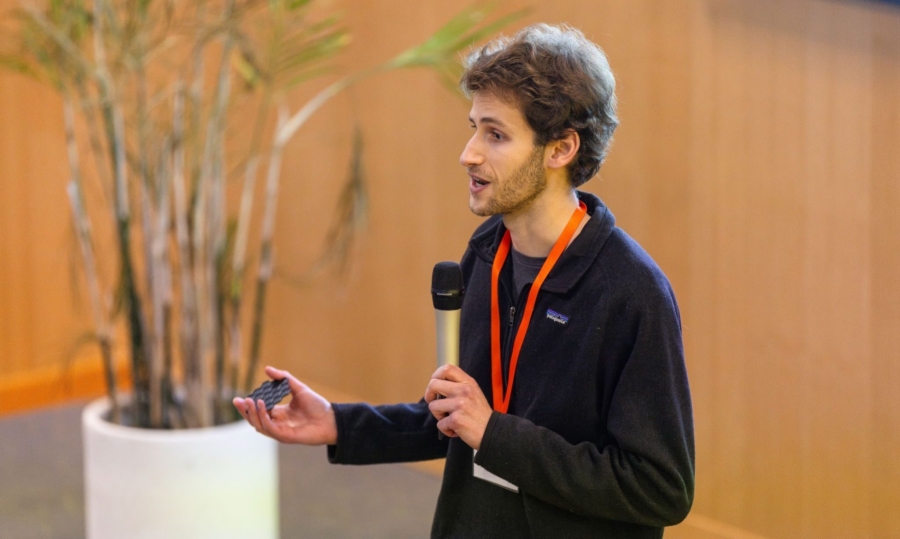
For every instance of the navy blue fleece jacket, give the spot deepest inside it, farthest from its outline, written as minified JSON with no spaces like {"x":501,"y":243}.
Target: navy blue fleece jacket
{"x":599,"y":433}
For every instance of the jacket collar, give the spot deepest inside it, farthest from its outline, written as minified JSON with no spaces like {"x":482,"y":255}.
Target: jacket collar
{"x":574,"y":261}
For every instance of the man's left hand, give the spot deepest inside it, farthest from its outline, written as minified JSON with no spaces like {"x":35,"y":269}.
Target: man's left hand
{"x":464,"y":411}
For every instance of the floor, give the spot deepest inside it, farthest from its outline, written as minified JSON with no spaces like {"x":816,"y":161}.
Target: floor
{"x":41,"y":487}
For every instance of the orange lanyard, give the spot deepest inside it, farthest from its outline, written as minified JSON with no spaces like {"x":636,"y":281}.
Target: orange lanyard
{"x":501,"y":399}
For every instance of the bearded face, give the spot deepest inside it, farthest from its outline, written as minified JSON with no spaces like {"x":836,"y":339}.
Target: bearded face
{"x":514,"y":192}
{"x":506,"y":170}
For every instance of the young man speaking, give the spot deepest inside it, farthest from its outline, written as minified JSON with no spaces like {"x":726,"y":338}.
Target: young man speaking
{"x":569,"y":415}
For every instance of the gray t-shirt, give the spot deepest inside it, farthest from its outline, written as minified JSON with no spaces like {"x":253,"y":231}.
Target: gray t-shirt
{"x":525,"y":270}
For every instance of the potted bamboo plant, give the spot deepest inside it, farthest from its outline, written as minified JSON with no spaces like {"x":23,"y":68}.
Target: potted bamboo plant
{"x":149,"y":88}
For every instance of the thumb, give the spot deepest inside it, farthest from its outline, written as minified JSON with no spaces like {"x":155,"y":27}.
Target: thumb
{"x":296,"y":386}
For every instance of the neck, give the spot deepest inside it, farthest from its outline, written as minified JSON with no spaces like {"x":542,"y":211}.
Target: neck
{"x":535,"y":228}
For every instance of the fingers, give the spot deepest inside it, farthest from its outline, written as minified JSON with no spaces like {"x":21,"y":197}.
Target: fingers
{"x":444,"y":388}
{"x":276,"y":374}
{"x":261,"y":415}
{"x":438,"y":388}
{"x":441,"y":410}
{"x":266,"y":422}
{"x":452,"y":373}
{"x":449,"y":381}
{"x":253,"y":415}
{"x":253,"y":412}
{"x":464,"y":412}
{"x":441,"y":407}
{"x":239,"y":404}
{"x":443,"y":426}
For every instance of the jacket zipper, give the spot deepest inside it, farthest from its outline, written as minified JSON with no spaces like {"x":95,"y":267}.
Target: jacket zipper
{"x":506,"y":349}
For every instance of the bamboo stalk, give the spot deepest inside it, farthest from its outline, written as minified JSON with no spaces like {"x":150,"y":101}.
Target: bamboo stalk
{"x":116,"y":135}
{"x":83,"y":227}
{"x":197,"y":399}
{"x":213,"y":279}
{"x":265,"y":261}
{"x":153,"y":344}
{"x":209,"y":239}
{"x":163,"y":282}
{"x":154,"y":335}
{"x":162,"y":251}
{"x":136,"y":321}
{"x":156,"y":236}
{"x":89,"y":113}
{"x":242,"y":234}
{"x":218,"y":246}
{"x":189,"y":315}
{"x":167,"y":388}
{"x":153,"y":233}
{"x":201,"y":275}
{"x":152,"y":348}
{"x":235,"y":291}
{"x":194,"y":124}
{"x":219,"y":223}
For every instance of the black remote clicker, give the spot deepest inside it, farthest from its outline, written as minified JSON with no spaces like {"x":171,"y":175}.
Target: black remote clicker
{"x":271,"y":392}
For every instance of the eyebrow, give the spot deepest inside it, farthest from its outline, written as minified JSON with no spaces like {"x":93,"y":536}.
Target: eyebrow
{"x":489,"y":120}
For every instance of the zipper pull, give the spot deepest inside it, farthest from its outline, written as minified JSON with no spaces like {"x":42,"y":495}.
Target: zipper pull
{"x":512,"y":316}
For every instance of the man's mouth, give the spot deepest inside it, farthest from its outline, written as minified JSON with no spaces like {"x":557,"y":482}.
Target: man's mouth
{"x":478,"y":181}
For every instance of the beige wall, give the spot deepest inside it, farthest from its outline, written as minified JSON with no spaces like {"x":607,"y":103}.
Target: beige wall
{"x":757,"y":162}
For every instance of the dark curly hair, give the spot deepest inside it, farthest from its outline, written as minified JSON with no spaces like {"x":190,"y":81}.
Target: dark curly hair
{"x":560,"y":80}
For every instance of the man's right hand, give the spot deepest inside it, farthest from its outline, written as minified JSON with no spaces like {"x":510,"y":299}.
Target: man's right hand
{"x":308,"y":419}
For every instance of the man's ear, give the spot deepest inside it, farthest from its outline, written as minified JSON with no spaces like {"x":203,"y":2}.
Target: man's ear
{"x":563,"y":151}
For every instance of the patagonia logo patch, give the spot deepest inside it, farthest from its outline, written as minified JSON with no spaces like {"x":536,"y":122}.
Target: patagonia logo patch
{"x":556,"y":317}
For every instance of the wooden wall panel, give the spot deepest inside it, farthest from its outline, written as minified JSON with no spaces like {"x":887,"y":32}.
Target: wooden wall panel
{"x":784,"y":134}
{"x":40,"y":320}
{"x":756,"y":161}
{"x":884,"y":192}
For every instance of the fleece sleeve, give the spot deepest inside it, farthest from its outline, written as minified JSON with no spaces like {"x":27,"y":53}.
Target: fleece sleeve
{"x":645,"y":473}
{"x":381,"y":434}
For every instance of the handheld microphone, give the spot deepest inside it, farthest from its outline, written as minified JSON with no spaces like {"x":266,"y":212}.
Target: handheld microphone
{"x":447,"y":297}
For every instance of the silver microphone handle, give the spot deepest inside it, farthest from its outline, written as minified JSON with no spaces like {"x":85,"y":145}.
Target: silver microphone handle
{"x":447,"y":337}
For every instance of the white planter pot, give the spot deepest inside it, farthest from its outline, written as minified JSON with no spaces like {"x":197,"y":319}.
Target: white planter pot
{"x":216,"y":483}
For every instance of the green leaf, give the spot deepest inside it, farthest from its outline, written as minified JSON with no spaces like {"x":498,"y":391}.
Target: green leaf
{"x":304,"y":76}
{"x":306,"y":54}
{"x":462,"y":31}
{"x":245,"y":69}
{"x":314,"y":50}
{"x":294,"y":5}
{"x":18,"y":65}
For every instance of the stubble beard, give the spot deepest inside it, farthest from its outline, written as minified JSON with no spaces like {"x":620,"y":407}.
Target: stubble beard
{"x":516,"y":192}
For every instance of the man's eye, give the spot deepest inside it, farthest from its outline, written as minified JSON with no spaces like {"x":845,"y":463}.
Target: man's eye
{"x":497,"y":136}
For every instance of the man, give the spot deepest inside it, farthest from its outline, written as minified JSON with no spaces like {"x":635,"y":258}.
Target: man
{"x":570,"y":413}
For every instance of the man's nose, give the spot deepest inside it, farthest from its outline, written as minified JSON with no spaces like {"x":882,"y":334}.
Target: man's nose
{"x":471,"y":155}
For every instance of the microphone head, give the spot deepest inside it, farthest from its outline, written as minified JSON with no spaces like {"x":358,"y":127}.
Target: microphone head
{"x":447,"y":286}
